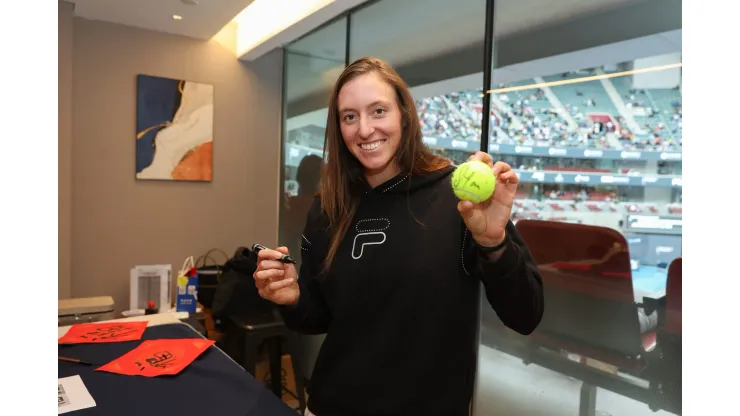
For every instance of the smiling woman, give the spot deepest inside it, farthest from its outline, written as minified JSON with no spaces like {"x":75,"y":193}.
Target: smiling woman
{"x":589,"y":111}
{"x":370,"y":110}
{"x":392,"y":260}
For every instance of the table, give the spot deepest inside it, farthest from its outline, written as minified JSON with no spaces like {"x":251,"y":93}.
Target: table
{"x":212,"y":385}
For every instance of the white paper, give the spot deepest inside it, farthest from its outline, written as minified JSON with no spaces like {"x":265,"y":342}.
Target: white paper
{"x":73,"y":395}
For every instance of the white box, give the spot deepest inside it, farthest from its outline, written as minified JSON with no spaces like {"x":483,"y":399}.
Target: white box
{"x":153,"y":283}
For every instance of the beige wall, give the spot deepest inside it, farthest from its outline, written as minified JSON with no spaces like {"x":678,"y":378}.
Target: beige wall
{"x":119,"y":222}
{"x":65,"y":149}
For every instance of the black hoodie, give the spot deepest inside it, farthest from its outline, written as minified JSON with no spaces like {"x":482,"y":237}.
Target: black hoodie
{"x":399,"y":303}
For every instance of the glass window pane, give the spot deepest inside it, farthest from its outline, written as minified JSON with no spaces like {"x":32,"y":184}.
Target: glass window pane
{"x":442,"y":67}
{"x":312,"y":65}
{"x":586,"y":106}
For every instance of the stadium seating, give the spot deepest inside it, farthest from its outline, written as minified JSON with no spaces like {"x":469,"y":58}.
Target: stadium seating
{"x":590,"y":329}
{"x":538,"y":121}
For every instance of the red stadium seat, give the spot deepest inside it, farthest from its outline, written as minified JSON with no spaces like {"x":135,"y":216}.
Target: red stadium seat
{"x":597,"y":196}
{"x":590,"y":310}
{"x":590,"y":303}
{"x":675,"y":210}
{"x":555,"y":206}
{"x":673,"y":298}
{"x":666,"y":360}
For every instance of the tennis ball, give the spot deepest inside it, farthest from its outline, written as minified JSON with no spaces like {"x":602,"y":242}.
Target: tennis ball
{"x":473,"y":181}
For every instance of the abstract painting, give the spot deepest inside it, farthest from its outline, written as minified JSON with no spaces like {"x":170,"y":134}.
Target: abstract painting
{"x":174,"y":129}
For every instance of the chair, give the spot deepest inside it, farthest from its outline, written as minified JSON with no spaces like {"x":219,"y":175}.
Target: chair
{"x":590,"y":307}
{"x":245,"y":335}
{"x":666,"y":375}
{"x":589,"y":296}
{"x":674,"y":303}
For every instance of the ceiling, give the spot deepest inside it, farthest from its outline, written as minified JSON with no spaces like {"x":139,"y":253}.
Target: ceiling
{"x":667,"y":44}
{"x":662,"y":44}
{"x":392,"y":28}
{"x":201,"y":21}
{"x":376,"y":29}
{"x":404,"y":31}
{"x":372,"y":27}
{"x":400,"y":31}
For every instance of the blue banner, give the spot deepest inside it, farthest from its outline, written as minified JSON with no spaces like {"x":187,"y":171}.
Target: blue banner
{"x":570,"y":152}
{"x":594,"y":179}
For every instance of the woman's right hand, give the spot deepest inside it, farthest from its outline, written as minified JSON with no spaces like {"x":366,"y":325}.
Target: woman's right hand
{"x":276,"y":281}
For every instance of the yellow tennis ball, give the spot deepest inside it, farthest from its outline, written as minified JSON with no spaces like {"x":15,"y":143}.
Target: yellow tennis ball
{"x":473,"y":181}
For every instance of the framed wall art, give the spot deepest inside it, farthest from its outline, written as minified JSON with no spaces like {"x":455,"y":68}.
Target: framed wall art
{"x":174,"y":129}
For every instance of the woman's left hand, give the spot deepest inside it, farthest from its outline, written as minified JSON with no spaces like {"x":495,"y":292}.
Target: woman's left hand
{"x":487,"y":220}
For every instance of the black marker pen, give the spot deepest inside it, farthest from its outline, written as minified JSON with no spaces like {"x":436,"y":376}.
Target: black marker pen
{"x":285,"y":259}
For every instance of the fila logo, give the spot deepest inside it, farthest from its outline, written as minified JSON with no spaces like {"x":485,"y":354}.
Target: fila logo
{"x":370,"y":232}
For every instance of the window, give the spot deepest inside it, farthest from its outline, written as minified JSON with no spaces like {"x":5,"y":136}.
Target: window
{"x":586,"y":106}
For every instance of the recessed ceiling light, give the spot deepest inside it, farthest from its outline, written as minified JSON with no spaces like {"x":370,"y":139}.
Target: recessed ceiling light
{"x":177,"y":17}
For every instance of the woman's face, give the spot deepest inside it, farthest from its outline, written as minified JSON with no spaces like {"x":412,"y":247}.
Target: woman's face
{"x":370,"y":121}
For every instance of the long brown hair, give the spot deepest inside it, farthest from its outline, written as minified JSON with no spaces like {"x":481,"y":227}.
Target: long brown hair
{"x":342,"y":177}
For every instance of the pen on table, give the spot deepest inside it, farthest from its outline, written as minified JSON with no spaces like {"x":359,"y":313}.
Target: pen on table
{"x":74,"y":360}
{"x":284,"y":259}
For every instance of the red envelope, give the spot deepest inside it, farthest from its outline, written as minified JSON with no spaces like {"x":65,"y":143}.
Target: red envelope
{"x":104,"y":332}
{"x":158,"y":357}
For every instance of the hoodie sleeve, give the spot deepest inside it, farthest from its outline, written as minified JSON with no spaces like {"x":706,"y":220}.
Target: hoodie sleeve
{"x":312,"y":314}
{"x":513,"y":283}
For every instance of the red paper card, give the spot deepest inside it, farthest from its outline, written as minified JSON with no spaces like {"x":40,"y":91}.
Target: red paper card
{"x":104,"y":332}
{"x":158,"y":357}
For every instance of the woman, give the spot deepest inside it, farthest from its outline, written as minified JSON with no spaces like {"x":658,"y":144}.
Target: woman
{"x":392,"y":260}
